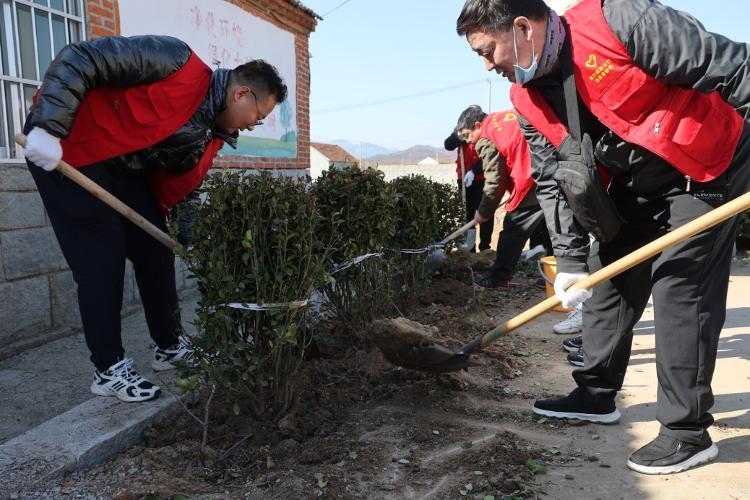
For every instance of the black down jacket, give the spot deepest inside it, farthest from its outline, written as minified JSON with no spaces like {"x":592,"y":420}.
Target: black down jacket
{"x":127,"y":62}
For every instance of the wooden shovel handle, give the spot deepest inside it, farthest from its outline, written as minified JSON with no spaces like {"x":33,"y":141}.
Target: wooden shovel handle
{"x":458,"y":232}
{"x":705,"y":221}
{"x":121,"y":208}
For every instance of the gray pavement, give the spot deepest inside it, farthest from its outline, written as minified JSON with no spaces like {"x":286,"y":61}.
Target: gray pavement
{"x":49,"y":380}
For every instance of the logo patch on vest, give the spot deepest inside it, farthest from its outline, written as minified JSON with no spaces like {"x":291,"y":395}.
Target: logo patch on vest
{"x":591,"y":63}
{"x":602,"y":71}
{"x":495,"y":124}
{"x":509,"y":117}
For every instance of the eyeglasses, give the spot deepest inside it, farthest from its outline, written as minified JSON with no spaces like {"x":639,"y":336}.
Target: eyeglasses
{"x":255,"y":98}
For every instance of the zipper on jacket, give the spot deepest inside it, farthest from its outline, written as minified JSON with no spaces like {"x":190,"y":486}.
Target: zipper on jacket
{"x":687,"y":186}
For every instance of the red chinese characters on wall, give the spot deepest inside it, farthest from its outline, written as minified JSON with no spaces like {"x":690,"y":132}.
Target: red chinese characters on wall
{"x":225,"y":47}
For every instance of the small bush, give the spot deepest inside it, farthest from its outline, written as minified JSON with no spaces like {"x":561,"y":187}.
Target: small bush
{"x":253,"y":243}
{"x":450,"y":212}
{"x":426,"y":212}
{"x":356,"y":211}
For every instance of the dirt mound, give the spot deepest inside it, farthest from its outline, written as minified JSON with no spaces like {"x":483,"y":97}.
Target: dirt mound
{"x":462,"y":264}
{"x":400,"y":338}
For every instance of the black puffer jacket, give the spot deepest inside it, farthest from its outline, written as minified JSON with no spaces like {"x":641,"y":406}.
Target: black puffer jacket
{"x":126,"y":62}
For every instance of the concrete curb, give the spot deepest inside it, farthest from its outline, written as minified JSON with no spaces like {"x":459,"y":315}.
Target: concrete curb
{"x":83,"y":436}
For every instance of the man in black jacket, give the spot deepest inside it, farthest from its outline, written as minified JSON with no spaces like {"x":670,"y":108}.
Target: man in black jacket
{"x":664,"y":82}
{"x":118,"y":106}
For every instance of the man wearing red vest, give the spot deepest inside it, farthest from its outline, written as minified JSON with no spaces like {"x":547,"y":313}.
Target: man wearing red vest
{"x":662,"y":105}
{"x":507,"y":166}
{"x":471,"y":174}
{"x":143,"y":117}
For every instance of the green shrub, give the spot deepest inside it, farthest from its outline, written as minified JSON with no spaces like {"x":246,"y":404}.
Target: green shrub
{"x":416,"y":213}
{"x":356,"y":211}
{"x":450,"y":211}
{"x":426,"y":212}
{"x":253,"y":243}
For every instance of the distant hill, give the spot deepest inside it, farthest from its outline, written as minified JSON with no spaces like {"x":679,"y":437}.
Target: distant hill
{"x":415,"y":154}
{"x":351,"y":147}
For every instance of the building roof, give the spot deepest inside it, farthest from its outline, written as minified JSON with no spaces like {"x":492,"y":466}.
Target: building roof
{"x":304,"y":8}
{"x":333,"y":152}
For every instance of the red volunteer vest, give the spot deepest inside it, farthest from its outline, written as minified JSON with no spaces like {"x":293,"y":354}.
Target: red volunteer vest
{"x":696,"y":133}
{"x":470,"y":158}
{"x":115,"y":121}
{"x":502,"y":129}
{"x":549,"y":124}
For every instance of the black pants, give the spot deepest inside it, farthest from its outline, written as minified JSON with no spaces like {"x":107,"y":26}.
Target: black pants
{"x":95,"y":241}
{"x":518,"y":226}
{"x":541,"y":237}
{"x":689,"y":284}
{"x":473,"y":198}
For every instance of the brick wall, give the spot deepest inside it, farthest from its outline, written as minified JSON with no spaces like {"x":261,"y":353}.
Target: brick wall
{"x":103,"y":18}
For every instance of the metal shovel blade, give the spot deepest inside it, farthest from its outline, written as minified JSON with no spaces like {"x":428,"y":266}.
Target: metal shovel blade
{"x":434,"y":358}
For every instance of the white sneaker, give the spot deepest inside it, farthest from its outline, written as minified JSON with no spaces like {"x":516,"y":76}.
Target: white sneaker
{"x":123,"y":382}
{"x":534,"y":253}
{"x":572,"y":324}
{"x":167,"y":359}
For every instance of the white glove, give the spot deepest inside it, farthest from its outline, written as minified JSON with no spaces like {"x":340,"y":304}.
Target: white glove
{"x":43,"y":149}
{"x":573,"y":297}
{"x":469,"y":178}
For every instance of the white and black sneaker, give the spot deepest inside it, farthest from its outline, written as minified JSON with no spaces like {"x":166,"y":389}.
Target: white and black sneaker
{"x":123,"y":382}
{"x":534,"y":253}
{"x":572,"y":324}
{"x":168,"y":358}
{"x":575,"y":358}
{"x":573,"y":344}
{"x":666,"y":455}
{"x":579,"y":405}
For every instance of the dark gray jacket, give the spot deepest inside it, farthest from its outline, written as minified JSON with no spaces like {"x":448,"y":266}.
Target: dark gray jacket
{"x":674,"y":48}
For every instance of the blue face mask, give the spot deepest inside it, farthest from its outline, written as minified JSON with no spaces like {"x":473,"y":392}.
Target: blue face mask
{"x":525,"y":75}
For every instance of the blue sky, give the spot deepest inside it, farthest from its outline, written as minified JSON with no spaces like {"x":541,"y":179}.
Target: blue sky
{"x":374,"y":50}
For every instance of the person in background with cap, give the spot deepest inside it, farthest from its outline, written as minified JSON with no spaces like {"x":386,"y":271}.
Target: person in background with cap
{"x":507,"y":167}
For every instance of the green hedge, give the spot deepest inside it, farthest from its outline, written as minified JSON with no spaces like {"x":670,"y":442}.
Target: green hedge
{"x":254,"y":242}
{"x":260,"y":239}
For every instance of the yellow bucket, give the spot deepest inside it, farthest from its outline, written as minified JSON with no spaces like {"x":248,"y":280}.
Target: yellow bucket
{"x":549,"y":268}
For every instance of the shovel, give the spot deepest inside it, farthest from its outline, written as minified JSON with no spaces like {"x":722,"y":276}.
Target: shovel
{"x":455,"y":234}
{"x":92,"y":187}
{"x":437,"y":256}
{"x":436,"y":358}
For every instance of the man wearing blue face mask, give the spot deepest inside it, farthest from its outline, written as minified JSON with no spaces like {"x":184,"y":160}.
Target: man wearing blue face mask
{"x":636,"y":118}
